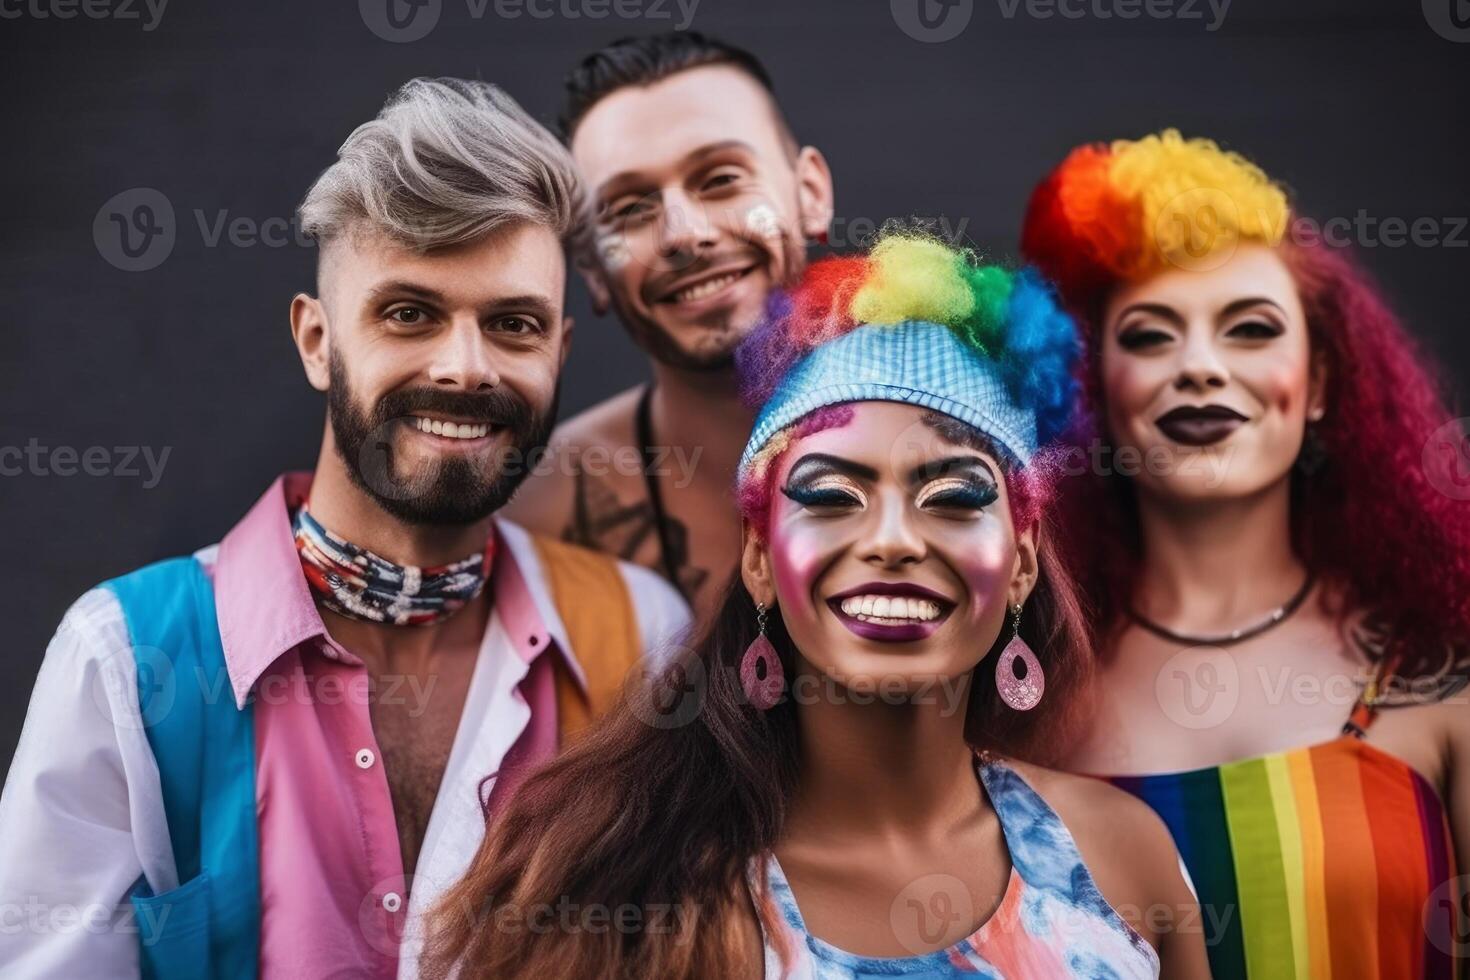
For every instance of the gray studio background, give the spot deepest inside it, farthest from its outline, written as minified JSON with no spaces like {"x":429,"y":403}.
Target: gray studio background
{"x":229,"y":110}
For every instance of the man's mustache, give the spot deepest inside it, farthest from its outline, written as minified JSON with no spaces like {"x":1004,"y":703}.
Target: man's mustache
{"x":496,"y":407}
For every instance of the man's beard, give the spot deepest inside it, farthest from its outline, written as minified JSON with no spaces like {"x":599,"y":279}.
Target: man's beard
{"x":454,"y":490}
{"x":661,"y":345}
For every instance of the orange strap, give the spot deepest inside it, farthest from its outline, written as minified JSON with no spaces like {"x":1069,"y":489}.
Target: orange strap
{"x":597,"y":611}
{"x":1366,"y":710}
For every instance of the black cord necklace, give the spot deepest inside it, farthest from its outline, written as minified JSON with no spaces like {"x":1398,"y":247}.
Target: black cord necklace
{"x":643,"y":422}
{"x":1278,"y":616}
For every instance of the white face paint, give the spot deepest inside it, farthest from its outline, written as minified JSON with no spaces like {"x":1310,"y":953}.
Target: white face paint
{"x":762,"y":220}
{"x":613,"y":250}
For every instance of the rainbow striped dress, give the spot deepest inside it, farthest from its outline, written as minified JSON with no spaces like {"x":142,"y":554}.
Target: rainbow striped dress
{"x":1331,"y":861}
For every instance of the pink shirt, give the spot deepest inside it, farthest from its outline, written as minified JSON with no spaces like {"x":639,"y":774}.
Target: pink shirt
{"x":331,"y":872}
{"x":81,"y":818}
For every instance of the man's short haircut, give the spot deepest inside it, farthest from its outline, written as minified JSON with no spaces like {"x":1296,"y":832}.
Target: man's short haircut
{"x":446,"y":162}
{"x":645,"y":60}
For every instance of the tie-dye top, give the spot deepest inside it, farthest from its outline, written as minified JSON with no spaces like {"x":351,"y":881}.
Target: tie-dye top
{"x":1334,"y":860}
{"x":1052,"y":922}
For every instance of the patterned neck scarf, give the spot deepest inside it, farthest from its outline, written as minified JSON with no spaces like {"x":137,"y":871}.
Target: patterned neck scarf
{"x":358,"y":584}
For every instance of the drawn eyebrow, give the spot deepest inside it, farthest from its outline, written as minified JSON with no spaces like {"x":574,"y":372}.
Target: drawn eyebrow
{"x":827,"y":463}
{"x":1157,"y":309}
{"x":1249,"y":301}
{"x":932,"y":469}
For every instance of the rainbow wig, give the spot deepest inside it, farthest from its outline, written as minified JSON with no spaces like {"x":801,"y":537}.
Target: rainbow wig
{"x":1123,"y":211}
{"x":1373,"y":520}
{"x":919,"y":322}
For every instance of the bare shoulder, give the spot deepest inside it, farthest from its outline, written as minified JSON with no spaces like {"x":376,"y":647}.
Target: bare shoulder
{"x":1424,"y":722}
{"x":1095,"y":810}
{"x":608,"y":424}
{"x":1123,"y":842}
{"x":544,"y":502}
{"x":1132,"y":859}
{"x":1443,"y":715}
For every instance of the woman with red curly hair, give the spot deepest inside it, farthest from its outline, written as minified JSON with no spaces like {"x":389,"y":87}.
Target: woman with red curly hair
{"x":1276,"y":554}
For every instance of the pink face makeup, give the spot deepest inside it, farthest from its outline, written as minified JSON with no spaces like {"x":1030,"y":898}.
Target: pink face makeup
{"x":886,"y":538}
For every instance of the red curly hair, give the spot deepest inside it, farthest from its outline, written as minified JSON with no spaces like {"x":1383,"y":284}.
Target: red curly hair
{"x":1381,"y":521}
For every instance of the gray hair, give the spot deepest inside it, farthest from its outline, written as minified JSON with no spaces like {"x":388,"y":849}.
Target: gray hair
{"x":446,"y":161}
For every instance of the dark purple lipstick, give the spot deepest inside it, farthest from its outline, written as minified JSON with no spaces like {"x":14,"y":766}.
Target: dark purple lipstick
{"x":1199,"y":425}
{"x":891,"y":629}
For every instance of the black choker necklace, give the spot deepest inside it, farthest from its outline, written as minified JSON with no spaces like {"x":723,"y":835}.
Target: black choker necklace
{"x":1278,"y":616}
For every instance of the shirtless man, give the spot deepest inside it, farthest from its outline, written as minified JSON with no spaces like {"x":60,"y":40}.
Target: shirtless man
{"x":703,"y":201}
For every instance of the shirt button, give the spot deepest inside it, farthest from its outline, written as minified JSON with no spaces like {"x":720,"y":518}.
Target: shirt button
{"x":392,"y":901}
{"x":365,"y":758}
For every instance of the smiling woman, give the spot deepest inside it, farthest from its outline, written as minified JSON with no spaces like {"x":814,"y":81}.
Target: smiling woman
{"x":826,"y":785}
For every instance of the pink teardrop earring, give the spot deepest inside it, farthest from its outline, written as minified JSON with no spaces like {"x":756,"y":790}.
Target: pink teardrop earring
{"x":1021,"y":693}
{"x":761,"y":673}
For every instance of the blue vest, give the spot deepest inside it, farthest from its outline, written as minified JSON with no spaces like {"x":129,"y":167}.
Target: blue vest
{"x":209,"y":926}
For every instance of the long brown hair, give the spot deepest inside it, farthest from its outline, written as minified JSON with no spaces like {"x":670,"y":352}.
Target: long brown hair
{"x":655,"y":813}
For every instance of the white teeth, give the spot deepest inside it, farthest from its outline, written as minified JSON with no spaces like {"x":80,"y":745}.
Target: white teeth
{"x":707,"y":288}
{"x":890,"y":609}
{"x":451,"y":430}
